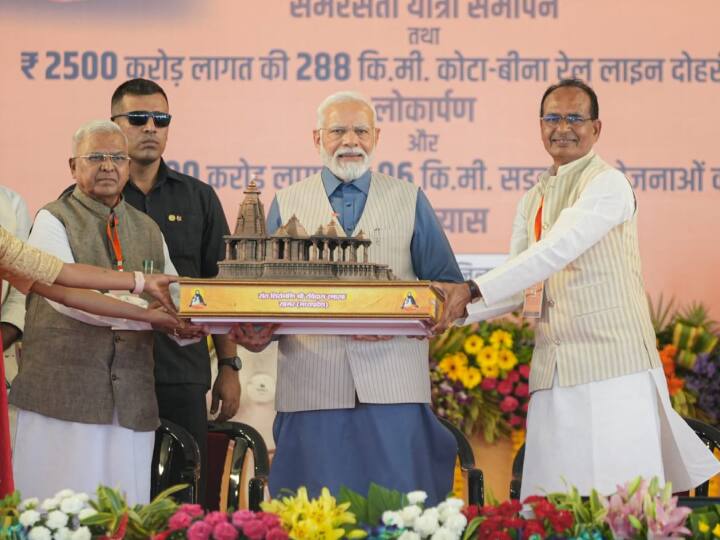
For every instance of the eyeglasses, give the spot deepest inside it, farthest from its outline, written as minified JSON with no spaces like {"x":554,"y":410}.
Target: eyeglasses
{"x":336,"y":133}
{"x":140,"y":118}
{"x":571,"y":119}
{"x":97,"y":158}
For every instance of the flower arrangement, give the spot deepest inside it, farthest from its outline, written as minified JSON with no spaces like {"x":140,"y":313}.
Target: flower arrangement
{"x":59,"y":517}
{"x":536,"y":518}
{"x":480,"y":374}
{"x":322,"y":518}
{"x":687,"y":344}
{"x":191,"y":523}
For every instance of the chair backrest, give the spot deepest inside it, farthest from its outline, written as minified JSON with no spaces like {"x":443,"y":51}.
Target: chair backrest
{"x":176,"y":460}
{"x":244,"y":438}
{"x":476,"y":484}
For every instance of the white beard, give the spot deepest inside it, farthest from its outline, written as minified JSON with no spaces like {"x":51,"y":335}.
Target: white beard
{"x":347,"y":172}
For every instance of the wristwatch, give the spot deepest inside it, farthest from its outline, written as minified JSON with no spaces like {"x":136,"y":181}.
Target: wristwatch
{"x":475,"y":293}
{"x":234,"y":362}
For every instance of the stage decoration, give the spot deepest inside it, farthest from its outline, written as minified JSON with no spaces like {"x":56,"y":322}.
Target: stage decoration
{"x":640,"y":509}
{"x":479,"y":377}
{"x":319,"y":283}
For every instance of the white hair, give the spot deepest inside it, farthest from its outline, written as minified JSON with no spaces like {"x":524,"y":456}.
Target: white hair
{"x":342,"y":97}
{"x":94,"y":126}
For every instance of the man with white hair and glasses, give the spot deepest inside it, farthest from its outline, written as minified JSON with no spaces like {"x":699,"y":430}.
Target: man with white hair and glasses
{"x":85,"y":392}
{"x":355,"y":410}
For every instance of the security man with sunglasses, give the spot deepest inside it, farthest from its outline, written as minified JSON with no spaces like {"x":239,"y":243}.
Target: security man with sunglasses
{"x":193,"y":223}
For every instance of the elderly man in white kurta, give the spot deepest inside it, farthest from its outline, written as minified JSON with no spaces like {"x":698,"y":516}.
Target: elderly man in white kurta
{"x":85,"y":396}
{"x":600,"y":412}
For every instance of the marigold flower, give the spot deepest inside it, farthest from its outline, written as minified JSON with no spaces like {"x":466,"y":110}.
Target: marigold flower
{"x":501,"y":338}
{"x":703,"y":527}
{"x":507,"y":359}
{"x":490,"y":371}
{"x":473,"y":344}
{"x":452,"y":365}
{"x":675,"y":384}
{"x":487,"y":357}
{"x":470,"y":378}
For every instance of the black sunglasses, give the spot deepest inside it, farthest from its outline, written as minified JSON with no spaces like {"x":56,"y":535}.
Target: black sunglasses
{"x":140,"y":118}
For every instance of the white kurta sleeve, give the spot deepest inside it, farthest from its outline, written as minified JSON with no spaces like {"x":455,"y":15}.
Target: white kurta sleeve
{"x":607,"y":201}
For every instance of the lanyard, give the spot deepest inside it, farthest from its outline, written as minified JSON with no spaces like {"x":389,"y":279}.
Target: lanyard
{"x":114,"y":237}
{"x":538,"y":220}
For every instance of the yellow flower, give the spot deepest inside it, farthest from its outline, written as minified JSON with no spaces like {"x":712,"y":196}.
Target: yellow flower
{"x":716,"y":530}
{"x":507,"y":359}
{"x":487,"y":357}
{"x":453,"y":365}
{"x":501,"y":338}
{"x":703,"y":527}
{"x":473,"y":344}
{"x":490,"y":370}
{"x":320,"y":518}
{"x":471,"y":377}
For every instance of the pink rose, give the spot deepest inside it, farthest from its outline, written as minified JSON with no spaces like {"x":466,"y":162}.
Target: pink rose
{"x":241,"y":516}
{"x":213,"y":518}
{"x":193,"y":510}
{"x":488,"y":383}
{"x":516,"y":420}
{"x":180,"y":520}
{"x":522,"y":390}
{"x":509,"y":404}
{"x":199,"y":531}
{"x":255,"y":529}
{"x":270,"y":520}
{"x":524,"y":370}
{"x":276,"y":534}
{"x":504,"y":387}
{"x":225,"y":531}
{"x":524,"y":407}
{"x":513,"y":376}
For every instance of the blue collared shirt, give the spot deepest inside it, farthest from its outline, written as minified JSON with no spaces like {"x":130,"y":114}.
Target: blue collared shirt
{"x":432,"y":256}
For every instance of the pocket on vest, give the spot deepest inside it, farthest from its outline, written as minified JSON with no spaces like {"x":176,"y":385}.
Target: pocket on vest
{"x":591,"y":299}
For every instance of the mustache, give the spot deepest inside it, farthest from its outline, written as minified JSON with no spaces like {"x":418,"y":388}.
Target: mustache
{"x":349,"y":151}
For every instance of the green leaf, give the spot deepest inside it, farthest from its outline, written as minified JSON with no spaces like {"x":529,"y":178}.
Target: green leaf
{"x":635,"y":522}
{"x":380,"y":500}
{"x":358,"y":503}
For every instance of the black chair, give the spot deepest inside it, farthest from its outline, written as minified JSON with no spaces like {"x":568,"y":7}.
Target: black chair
{"x":708,"y":434}
{"x":245,"y":438}
{"x":476,"y":482}
{"x":517,"y":468}
{"x":176,"y":460}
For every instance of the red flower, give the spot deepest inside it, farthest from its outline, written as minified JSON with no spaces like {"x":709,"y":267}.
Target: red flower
{"x":499,"y":535}
{"x":270,"y":520}
{"x":509,"y":404}
{"x":504,"y":387}
{"x":513,"y":523}
{"x":533,"y":526}
{"x":522,"y":390}
{"x":513,"y":376}
{"x":488,"y":383}
{"x":276,"y":534}
{"x":524,"y":407}
{"x":533,"y":499}
{"x":471,"y":512}
{"x":213,"y":518}
{"x":561,"y":520}
{"x":180,"y":520}
{"x":194,"y":510}
{"x":489,"y":526}
{"x":516,"y":420}
{"x":254,"y":530}
{"x":544,"y":509}
{"x":489,"y":511}
{"x":510,"y":508}
{"x":524,"y":370}
{"x":225,"y":531}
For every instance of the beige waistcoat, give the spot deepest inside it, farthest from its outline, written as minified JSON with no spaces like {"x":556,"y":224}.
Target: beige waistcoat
{"x":596,"y":323}
{"x":79,"y":372}
{"x":326,"y":372}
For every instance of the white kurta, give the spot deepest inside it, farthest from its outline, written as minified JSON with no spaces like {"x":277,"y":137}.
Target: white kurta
{"x":603,"y":433}
{"x":52,"y":454}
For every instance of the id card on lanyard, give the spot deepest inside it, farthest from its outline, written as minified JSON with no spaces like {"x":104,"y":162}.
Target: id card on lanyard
{"x":533,"y":301}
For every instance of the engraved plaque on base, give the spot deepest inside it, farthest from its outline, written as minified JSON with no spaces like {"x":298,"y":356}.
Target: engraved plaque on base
{"x":313,"y":307}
